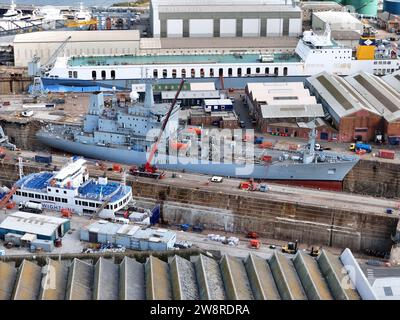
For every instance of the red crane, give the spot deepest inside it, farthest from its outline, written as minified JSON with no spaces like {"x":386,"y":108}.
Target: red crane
{"x":148,"y":170}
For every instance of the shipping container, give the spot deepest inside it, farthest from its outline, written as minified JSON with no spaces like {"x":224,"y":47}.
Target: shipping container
{"x":387,"y":154}
{"x":44,"y":158}
{"x":14,"y":238}
{"x":45,"y":245}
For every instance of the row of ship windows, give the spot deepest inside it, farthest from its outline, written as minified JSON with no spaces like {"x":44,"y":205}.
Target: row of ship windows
{"x":40,"y":196}
{"x":383,"y":62}
{"x":383,"y":71}
{"x":212,"y":72}
{"x":194,"y":73}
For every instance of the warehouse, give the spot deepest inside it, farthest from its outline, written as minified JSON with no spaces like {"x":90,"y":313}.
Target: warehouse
{"x":224,"y":18}
{"x":190,"y":98}
{"x":309,"y":7}
{"x":336,"y":20}
{"x":43,"y":227}
{"x":384,"y":98}
{"x":129,"y":236}
{"x":98,"y":42}
{"x":286,"y":108}
{"x":393,"y":80}
{"x":347,"y":110}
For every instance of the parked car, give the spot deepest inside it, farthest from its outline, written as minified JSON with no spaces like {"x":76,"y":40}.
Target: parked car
{"x":217,"y":179}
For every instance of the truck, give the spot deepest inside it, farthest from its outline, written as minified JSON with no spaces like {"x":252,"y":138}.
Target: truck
{"x":360,"y":146}
{"x":45,"y":158}
{"x":31,"y":207}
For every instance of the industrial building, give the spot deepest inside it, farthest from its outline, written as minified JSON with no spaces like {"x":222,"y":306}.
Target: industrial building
{"x":286,"y":108}
{"x":129,"y":236}
{"x":43,"y":227}
{"x":224,"y":18}
{"x":309,"y":7}
{"x":194,"y":96}
{"x":197,"y":277}
{"x":351,"y":114}
{"x":336,"y":20}
{"x":96,"y":42}
{"x":393,"y":80}
{"x":225,"y":119}
{"x":384,"y":98}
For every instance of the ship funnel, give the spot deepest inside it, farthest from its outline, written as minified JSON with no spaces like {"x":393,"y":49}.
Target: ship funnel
{"x":149,"y":98}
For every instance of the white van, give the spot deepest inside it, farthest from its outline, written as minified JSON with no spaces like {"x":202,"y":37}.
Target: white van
{"x":217,"y":179}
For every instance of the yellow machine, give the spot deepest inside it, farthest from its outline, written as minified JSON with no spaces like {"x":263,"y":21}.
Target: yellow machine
{"x":75,"y":23}
{"x":291,"y":248}
{"x":366,"y":47}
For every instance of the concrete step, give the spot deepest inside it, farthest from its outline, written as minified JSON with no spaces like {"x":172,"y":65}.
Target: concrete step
{"x":106,"y":280}
{"x":183,"y":279}
{"x":339,"y":284}
{"x":8,"y":275}
{"x":27,"y":285}
{"x":80,"y":281}
{"x":288,"y":283}
{"x":313,"y":281}
{"x":237,"y":285}
{"x":261,"y":280}
{"x":158,"y":286}
{"x":55,"y":278}
{"x":131,"y":280}
{"x":209,"y":278}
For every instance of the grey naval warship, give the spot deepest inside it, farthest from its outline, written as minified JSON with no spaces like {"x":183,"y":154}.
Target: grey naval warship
{"x":121,"y":134}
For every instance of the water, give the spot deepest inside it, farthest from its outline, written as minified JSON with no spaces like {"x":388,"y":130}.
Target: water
{"x":86,"y":3}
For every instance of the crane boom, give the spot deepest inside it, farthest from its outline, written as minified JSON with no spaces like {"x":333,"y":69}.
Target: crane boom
{"x":148,"y":166}
{"x":55,"y":54}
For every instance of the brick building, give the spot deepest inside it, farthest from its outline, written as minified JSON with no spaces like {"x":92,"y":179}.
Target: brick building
{"x":346,"y":109}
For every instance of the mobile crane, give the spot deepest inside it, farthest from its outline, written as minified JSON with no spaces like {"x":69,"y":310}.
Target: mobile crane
{"x":148,"y":170}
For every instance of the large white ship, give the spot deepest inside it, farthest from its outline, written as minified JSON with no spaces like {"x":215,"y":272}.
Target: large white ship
{"x":313,"y":54}
{"x":71,"y":188}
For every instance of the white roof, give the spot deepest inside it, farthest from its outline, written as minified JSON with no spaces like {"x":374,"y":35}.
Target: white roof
{"x":202,"y":86}
{"x":393,"y":80}
{"x":29,"y":237}
{"x":294,"y":111}
{"x":335,"y":17}
{"x":281,"y":93}
{"x":70,"y":169}
{"x":78,"y":36}
{"x":32,"y":223}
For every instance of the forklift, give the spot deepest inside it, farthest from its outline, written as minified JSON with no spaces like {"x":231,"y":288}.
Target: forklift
{"x":314,"y":251}
{"x":291,"y":247}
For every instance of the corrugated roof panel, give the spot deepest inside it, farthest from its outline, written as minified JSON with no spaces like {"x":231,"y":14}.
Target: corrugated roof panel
{"x":183,"y":279}
{"x":55,"y":278}
{"x":237,"y":285}
{"x":209,"y":278}
{"x":28,"y":281}
{"x":158,"y":286}
{"x":8,"y":274}
{"x":106,"y":280}
{"x":132,"y":283}
{"x":261,"y":279}
{"x":80,"y":281}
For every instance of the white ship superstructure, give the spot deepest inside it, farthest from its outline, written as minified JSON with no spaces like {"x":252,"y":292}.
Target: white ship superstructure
{"x":71,"y":188}
{"x":313,"y":54}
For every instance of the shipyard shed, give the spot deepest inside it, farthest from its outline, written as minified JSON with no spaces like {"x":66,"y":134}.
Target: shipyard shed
{"x":224,"y":18}
{"x":96,"y":42}
{"x":43,"y":227}
{"x":190,"y":98}
{"x":194,"y":277}
{"x":129,"y":236}
{"x":286,"y":108}
{"x":336,"y":20}
{"x":309,"y":7}
{"x":384,"y":98}
{"x":393,"y":80}
{"x":346,"y":109}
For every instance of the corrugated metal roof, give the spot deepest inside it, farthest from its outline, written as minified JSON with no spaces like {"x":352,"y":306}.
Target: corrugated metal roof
{"x":32,"y":223}
{"x":295,"y":111}
{"x":231,"y":8}
{"x":393,"y":80}
{"x":340,"y":96}
{"x":78,"y":36}
{"x":28,"y":282}
{"x":7,"y":280}
{"x":385,"y":99}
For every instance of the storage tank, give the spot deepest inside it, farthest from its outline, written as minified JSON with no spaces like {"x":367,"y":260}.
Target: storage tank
{"x":368,"y":8}
{"x":392,"y":6}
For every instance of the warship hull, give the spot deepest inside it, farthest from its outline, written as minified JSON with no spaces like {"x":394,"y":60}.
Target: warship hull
{"x":324,"y":175}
